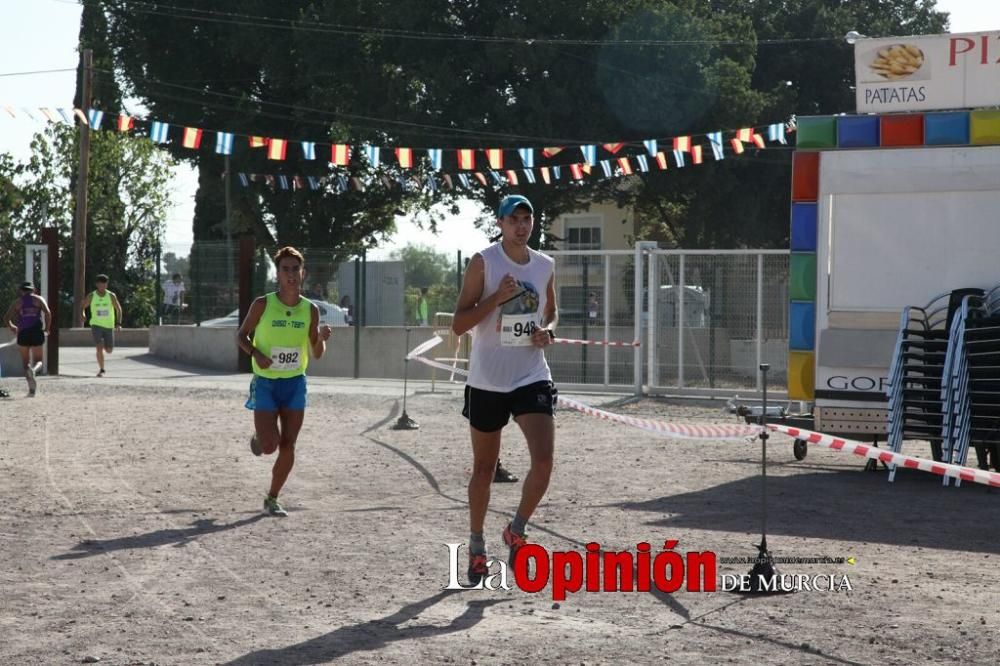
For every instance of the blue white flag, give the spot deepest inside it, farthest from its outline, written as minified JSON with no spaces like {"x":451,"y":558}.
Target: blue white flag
{"x":589,"y":154}
{"x":432,"y":182}
{"x":715,"y":139}
{"x":283,"y":181}
{"x":606,"y":166}
{"x":650,"y":146}
{"x":309,"y":150}
{"x":556,"y":172}
{"x":464,"y":180}
{"x":495,"y":175}
{"x":224,"y":143}
{"x":341,"y":183}
{"x":679,"y":157}
{"x":158,"y":131}
{"x":527,"y":157}
{"x":244,"y":181}
{"x":529,"y":175}
{"x":373,"y":155}
{"x":95,"y":118}
{"x":62,"y":112}
{"x":643,"y":162}
{"x":776,"y":132}
{"x":435,"y":155}
{"x":313,"y":182}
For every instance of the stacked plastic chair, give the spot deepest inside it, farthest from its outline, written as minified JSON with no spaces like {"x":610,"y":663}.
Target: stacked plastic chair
{"x":971,"y":388}
{"x":914,"y":388}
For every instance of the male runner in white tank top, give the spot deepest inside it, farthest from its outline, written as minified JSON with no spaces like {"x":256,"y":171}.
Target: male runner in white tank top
{"x":508,"y":302}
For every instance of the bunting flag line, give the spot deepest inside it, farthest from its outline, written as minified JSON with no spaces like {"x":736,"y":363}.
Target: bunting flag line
{"x":606,"y":167}
{"x":466,"y":159}
{"x":650,"y":146}
{"x":745,"y":135}
{"x":95,"y":118}
{"x":340,"y":154}
{"x":512,"y":177}
{"x":715,"y":140}
{"x":776,"y":132}
{"x":224,"y":143}
{"x":495,"y":157}
{"x":308,"y":150}
{"x":496,"y":178}
{"x":737,"y":146}
{"x":405,"y":157}
{"x":576,"y":171}
{"x":313,"y":182}
{"x":545,"y":175}
{"x":556,"y":173}
{"x":66,"y":119}
{"x":679,"y":157}
{"x":481,"y":178}
{"x":625,"y":165}
{"x":435,"y":155}
{"x":81,"y":116}
{"x":643,"y":163}
{"x":551,"y":151}
{"x":192,"y":138}
{"x":527,"y":157}
{"x":431,"y":183}
{"x":661,"y":161}
{"x":125,"y":123}
{"x":276,"y":149}
{"x":589,"y":154}
{"x":464,"y":180}
{"x":283,"y":181}
{"x":682,"y":144}
{"x":758,"y":140}
{"x":529,"y":176}
{"x":244,"y":181}
{"x":158,"y":131}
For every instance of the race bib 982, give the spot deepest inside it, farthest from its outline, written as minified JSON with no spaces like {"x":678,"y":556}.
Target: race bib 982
{"x":286,"y":358}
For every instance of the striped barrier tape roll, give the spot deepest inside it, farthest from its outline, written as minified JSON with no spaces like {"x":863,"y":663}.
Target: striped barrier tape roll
{"x":426,"y":345}
{"x":909,"y":462}
{"x":599,"y":343}
{"x":668,"y":429}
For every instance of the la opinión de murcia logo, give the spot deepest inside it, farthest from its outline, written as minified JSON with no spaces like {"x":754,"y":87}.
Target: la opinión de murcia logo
{"x":624,"y":571}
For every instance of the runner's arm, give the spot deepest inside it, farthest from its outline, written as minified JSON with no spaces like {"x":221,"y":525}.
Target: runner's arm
{"x":118,"y":310}
{"x":249,"y":324}
{"x":83,"y":308}
{"x":48,"y":314}
{"x":546,"y":334}
{"x":318,"y":335}
{"x":472,"y":308}
{"x":8,"y":318}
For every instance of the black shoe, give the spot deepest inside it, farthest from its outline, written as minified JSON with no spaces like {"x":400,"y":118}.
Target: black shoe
{"x":477,"y":568}
{"x":501,"y":475}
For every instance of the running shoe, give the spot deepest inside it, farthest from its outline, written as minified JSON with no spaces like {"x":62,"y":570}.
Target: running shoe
{"x":477,"y":568}
{"x":37,"y":368}
{"x":514,"y":541}
{"x":255,"y":445}
{"x":29,"y":375}
{"x":272,"y":506}
{"x":502,"y":475}
{"x":100,"y":373}
{"x":31,"y":393}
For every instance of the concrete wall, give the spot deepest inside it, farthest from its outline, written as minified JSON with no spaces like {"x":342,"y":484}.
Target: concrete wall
{"x":10,"y":357}
{"x":382,"y":350}
{"x":81,"y":337}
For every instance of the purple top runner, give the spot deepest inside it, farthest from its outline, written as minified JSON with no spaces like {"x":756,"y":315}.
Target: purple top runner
{"x":31,"y":314}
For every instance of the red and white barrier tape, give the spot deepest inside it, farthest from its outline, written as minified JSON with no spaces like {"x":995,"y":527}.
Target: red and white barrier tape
{"x":668,"y":429}
{"x":599,"y":343}
{"x":874,"y":453}
{"x":426,"y":345}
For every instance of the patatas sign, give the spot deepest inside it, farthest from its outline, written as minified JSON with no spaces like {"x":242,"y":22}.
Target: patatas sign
{"x":958,"y":71}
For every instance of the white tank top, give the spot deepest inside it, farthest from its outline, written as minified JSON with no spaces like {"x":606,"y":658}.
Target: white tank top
{"x":502,"y":357}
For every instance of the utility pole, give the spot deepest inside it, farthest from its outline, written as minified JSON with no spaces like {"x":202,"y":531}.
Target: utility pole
{"x":229,"y":232}
{"x":83,"y":178}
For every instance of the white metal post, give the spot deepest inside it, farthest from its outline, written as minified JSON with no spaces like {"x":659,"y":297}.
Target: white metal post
{"x":43,"y":281}
{"x":637,"y":293}
{"x":680,"y":321}
{"x":760,"y":316}
{"x":652,"y":291}
{"x":607,"y":319}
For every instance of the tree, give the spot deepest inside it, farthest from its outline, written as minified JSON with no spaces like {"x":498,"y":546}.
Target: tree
{"x":424,"y":265}
{"x":127,"y":204}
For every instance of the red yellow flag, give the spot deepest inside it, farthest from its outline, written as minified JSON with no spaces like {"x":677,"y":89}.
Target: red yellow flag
{"x":192,"y":138}
{"x":577,"y":171}
{"x":257,"y":142}
{"x":682,"y":143}
{"x":661,"y":160}
{"x":340,"y":154}
{"x":512,"y":177}
{"x":495,"y":157}
{"x":551,"y":151}
{"x":758,"y":140}
{"x":612,"y":147}
{"x":545,"y":175}
{"x":737,"y":146}
{"x":466,"y":159}
{"x":405,"y":157}
{"x":745,"y":135}
{"x":481,"y":178}
{"x":276,"y":149}
{"x":696,"y":153}
{"x":125,"y":123}
{"x":625,"y":165}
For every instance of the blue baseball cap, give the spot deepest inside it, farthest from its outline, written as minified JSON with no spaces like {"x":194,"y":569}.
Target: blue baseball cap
{"x":509,"y":203}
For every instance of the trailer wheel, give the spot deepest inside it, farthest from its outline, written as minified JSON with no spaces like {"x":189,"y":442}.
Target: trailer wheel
{"x":799,"y":448}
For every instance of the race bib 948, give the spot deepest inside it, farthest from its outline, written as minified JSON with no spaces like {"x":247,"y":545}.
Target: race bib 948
{"x":516,"y":330}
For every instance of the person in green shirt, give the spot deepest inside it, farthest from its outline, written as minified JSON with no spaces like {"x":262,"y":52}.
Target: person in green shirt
{"x":422,"y":318}
{"x":105,"y":318}
{"x":285,"y":328}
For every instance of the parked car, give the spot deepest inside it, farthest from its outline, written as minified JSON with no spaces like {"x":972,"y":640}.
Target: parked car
{"x":330,"y":314}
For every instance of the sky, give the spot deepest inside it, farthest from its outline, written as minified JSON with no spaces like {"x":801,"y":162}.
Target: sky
{"x":41,"y":35}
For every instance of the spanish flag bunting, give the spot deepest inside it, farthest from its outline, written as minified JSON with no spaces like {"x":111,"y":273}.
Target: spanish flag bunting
{"x":745,"y":135}
{"x":625,"y":165}
{"x":545,"y":175}
{"x":683,"y":144}
{"x":405,"y":157}
{"x":276,"y":149}
{"x":585,"y":168}
{"x":125,"y":123}
{"x":758,"y":140}
{"x":661,"y":160}
{"x":577,"y":171}
{"x":551,"y":151}
{"x":512,"y":177}
{"x":696,"y":153}
{"x":612,"y":147}
{"x":340,"y":154}
{"x":495,"y":157}
{"x":737,"y":146}
{"x":466,"y":159}
{"x":481,"y":178}
{"x":192,"y":138}
{"x":257,"y":142}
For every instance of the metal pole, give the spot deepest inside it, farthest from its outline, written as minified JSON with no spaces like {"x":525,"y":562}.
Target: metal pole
{"x":404,"y":422}
{"x":607,"y":319}
{"x":159,"y":285}
{"x":458,"y":272}
{"x":680,"y":322}
{"x":356,"y":318}
{"x":82,"y":182}
{"x":363,"y":306}
{"x":229,"y":231}
{"x":652,"y":325}
{"x":763,"y":367}
{"x":586,"y":313}
{"x":760,"y":314}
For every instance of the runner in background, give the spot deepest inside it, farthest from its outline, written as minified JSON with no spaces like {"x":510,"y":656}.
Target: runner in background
{"x":30,"y":319}
{"x":105,"y":319}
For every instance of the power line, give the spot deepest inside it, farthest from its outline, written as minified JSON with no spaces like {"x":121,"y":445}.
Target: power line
{"x":259,"y":21}
{"x":40,"y":71}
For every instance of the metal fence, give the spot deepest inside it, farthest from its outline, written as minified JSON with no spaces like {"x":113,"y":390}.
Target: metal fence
{"x":714,"y":317}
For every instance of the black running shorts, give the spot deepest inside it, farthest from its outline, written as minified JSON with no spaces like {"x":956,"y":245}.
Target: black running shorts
{"x":489,"y":411}
{"x":31,"y":337}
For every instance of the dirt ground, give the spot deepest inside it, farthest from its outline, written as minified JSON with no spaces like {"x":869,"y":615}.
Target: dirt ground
{"x":132,"y":534}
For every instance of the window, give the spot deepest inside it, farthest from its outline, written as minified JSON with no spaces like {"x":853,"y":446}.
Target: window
{"x":582,"y":233}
